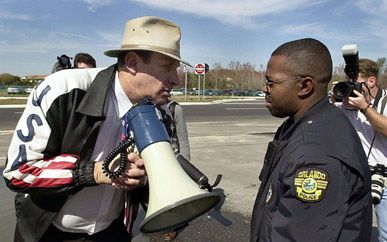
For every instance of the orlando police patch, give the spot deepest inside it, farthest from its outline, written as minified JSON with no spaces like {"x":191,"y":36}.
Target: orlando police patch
{"x":310,"y":184}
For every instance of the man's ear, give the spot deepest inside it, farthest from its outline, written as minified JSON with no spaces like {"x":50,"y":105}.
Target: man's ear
{"x":371,"y":82}
{"x":306,"y":87}
{"x":131,"y":61}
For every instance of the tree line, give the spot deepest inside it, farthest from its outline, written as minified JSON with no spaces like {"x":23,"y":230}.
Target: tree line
{"x":7,"y":79}
{"x":236,"y":75}
{"x":246,"y":76}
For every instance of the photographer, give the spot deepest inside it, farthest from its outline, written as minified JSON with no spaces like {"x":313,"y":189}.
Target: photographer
{"x":84,"y":60}
{"x":365,"y":111}
{"x":63,"y":63}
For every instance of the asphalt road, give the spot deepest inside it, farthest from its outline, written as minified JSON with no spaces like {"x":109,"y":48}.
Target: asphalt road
{"x":230,"y":111}
{"x":226,"y":138}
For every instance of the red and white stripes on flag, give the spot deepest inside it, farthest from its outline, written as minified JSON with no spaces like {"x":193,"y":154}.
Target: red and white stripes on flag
{"x":52,"y":172}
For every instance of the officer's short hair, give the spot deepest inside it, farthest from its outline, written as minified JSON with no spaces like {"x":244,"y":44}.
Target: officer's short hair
{"x":308,"y":57}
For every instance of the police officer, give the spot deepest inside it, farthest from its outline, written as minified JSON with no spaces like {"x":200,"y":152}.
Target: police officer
{"x":315,"y":182}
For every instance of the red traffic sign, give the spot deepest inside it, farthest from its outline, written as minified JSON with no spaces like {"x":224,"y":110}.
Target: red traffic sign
{"x":200,"y":69}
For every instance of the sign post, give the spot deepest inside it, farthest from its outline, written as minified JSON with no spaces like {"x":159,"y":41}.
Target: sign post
{"x":185,"y":81}
{"x":198,"y":87}
{"x":201,"y":69}
{"x":206,"y":68}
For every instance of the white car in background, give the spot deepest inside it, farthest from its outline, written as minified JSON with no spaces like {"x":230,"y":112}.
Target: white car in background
{"x":29,"y":89}
{"x":176,"y":92}
{"x":15,"y":90}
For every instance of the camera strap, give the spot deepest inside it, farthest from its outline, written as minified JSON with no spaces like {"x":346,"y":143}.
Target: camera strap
{"x":377,"y":98}
{"x":375,"y":105}
{"x":384,"y":101}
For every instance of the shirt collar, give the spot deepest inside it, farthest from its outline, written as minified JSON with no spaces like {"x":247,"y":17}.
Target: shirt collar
{"x":123,"y":102}
{"x":93,"y":102}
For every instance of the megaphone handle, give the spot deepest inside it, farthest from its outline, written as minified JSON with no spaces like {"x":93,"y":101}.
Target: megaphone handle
{"x":196,"y":174}
{"x":192,"y":171}
{"x":217,"y":180}
{"x":210,"y":187}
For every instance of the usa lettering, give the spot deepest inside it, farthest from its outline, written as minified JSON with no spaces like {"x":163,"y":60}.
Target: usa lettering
{"x":30,"y":126}
{"x":31,"y":120}
{"x":44,"y":92}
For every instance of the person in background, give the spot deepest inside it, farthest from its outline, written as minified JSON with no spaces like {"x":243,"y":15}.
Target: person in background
{"x":367,"y":113}
{"x":179,"y":134}
{"x":84,"y":60}
{"x":63,"y":63}
{"x":72,"y":121}
{"x":178,"y":131}
{"x":315,"y":181}
{"x":176,"y":126}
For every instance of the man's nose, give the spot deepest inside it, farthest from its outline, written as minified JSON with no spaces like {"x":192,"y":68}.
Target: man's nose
{"x":174,"y":79}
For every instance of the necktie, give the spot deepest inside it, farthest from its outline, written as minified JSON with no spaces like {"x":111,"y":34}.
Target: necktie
{"x":128,"y":207}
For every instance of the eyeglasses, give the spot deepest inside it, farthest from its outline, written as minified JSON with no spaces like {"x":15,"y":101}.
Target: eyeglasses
{"x":270,"y":83}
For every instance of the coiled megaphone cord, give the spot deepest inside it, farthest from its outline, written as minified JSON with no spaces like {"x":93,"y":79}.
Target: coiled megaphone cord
{"x":121,"y":149}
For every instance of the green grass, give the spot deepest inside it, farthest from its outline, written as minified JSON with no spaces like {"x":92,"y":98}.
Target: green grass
{"x":4,"y":93}
{"x":10,"y":99}
{"x":190,"y":98}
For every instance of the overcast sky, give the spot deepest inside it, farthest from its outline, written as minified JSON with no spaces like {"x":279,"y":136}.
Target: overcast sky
{"x":34,"y":32}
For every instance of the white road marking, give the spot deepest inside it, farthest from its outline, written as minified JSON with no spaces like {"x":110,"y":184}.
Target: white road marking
{"x":242,"y":108}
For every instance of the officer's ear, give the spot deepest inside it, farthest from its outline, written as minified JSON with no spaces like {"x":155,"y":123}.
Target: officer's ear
{"x":305,"y":86}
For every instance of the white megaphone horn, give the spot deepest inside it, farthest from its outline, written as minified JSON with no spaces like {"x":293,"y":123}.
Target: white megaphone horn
{"x":174,"y":198}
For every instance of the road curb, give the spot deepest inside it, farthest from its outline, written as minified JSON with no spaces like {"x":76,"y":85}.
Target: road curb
{"x":13,"y":106}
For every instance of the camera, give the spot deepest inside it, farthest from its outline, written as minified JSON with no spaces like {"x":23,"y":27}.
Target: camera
{"x":64,"y":61}
{"x":345,"y":89}
{"x":377,"y":182}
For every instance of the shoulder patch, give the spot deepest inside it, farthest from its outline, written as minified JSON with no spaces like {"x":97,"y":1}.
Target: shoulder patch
{"x":310,"y":184}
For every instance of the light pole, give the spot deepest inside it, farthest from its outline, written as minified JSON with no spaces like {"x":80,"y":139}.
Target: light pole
{"x":230,"y":82}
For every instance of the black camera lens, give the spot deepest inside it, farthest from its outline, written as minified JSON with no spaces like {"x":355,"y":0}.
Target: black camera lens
{"x":377,"y":184}
{"x":342,"y":90}
{"x":345,"y":89}
{"x":64,"y":61}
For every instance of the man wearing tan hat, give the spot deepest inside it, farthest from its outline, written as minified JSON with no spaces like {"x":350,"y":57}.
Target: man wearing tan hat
{"x":71,"y":122}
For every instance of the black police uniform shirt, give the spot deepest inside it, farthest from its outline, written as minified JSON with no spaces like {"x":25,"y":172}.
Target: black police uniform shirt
{"x":315,"y":182}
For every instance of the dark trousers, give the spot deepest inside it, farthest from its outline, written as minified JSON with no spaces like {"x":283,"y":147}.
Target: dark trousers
{"x":115,"y":232}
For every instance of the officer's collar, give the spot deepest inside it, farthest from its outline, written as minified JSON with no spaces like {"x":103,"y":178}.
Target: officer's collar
{"x":287,"y":128}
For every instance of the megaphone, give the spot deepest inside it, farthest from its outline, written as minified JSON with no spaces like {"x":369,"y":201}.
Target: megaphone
{"x":174,"y":198}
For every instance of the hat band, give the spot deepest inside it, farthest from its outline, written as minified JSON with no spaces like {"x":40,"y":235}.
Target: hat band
{"x":150,"y":48}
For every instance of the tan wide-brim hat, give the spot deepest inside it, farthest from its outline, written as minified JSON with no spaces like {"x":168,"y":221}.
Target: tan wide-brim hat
{"x":152,"y":34}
